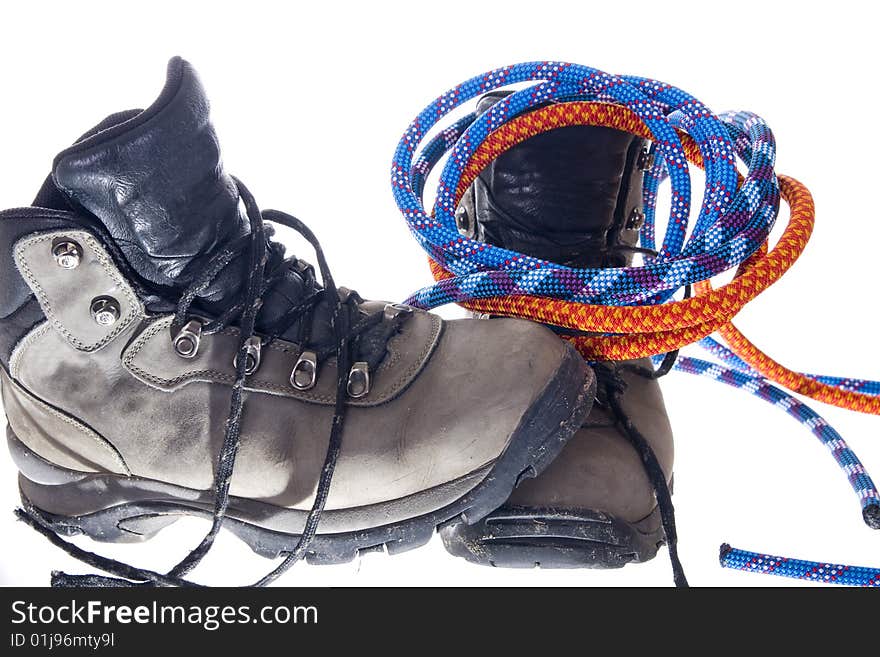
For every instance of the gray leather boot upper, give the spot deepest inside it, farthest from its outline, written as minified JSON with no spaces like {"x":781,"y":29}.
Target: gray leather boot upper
{"x":115,"y":402}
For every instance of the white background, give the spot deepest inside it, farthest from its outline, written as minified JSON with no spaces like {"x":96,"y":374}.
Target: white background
{"x":310,"y":102}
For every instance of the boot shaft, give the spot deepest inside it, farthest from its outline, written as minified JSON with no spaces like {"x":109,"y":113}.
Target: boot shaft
{"x":571,"y":196}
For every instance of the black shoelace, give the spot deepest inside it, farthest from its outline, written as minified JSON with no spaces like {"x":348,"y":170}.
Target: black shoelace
{"x":613,"y":388}
{"x":265,"y":267}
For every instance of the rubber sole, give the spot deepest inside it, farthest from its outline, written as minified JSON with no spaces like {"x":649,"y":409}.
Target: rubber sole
{"x":516,"y":537}
{"x":542,"y":433}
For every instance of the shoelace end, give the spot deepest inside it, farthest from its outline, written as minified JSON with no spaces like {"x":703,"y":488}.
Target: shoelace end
{"x":871,"y":515}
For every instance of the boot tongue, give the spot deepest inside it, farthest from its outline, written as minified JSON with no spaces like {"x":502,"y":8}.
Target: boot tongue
{"x":155,"y":180}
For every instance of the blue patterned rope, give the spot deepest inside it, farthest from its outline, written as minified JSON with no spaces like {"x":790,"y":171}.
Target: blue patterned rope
{"x":813,"y":571}
{"x":849,"y":463}
{"x":852,"y":467}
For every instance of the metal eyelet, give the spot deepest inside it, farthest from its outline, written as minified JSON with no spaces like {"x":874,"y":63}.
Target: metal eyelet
{"x":105,"y":310}
{"x":645,"y":160}
{"x":301,"y":266}
{"x":358,"y":380}
{"x":344,"y":293}
{"x":305,"y":372}
{"x":66,"y":252}
{"x":394,"y":310}
{"x":636,"y":219}
{"x":463,"y":220}
{"x":253,"y":350}
{"x":188,"y":339}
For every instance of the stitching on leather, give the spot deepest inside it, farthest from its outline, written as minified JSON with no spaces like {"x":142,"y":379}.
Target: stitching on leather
{"x":99,"y":440}
{"x":412,"y":370}
{"x":35,"y":334}
{"x":133,"y":302}
{"x":393,"y":354}
{"x":137,"y":346}
{"x":262,"y":385}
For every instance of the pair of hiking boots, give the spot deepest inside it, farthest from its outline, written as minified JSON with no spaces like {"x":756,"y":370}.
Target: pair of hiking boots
{"x":162,"y":356}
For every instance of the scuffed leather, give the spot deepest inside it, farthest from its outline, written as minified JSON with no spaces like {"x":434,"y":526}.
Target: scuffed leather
{"x":598,"y":468}
{"x":16,"y":326}
{"x":58,"y":437}
{"x":430,"y":433}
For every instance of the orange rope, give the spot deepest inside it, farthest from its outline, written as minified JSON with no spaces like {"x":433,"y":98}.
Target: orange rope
{"x":655,"y":329}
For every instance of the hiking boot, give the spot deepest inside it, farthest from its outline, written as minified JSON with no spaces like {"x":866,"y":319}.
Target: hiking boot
{"x":163,"y":357}
{"x":574,"y":196}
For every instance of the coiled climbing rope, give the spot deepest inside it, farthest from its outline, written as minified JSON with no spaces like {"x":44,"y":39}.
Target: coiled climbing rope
{"x":629,"y":312}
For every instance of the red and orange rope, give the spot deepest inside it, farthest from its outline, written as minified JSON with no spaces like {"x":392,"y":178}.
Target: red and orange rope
{"x":654,"y":329}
